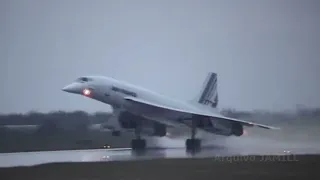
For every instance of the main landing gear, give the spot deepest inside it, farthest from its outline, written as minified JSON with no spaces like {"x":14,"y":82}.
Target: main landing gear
{"x":138,"y":144}
{"x":193,"y":145}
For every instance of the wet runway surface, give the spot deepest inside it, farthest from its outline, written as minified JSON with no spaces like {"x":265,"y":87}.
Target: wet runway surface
{"x":124,"y":154}
{"x":255,"y":144}
{"x":34,"y":158}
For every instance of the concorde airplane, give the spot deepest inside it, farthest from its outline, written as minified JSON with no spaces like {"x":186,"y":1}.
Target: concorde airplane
{"x":136,"y":108}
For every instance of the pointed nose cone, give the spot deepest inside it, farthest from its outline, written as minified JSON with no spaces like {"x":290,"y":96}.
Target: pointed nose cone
{"x":67,"y":88}
{"x":71,"y":88}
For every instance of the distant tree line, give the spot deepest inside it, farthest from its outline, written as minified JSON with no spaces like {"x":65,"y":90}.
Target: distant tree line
{"x":55,"y":131}
{"x":64,"y":119}
{"x":310,"y":112}
{"x":77,"y":120}
{"x":299,"y":112}
{"x":61,"y":130}
{"x":59,"y":117}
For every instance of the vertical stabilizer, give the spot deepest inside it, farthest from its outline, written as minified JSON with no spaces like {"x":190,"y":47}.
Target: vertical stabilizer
{"x":209,"y":92}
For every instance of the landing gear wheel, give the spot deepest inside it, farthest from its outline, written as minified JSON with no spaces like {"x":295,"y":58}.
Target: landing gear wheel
{"x":193,"y":145}
{"x":138,"y":144}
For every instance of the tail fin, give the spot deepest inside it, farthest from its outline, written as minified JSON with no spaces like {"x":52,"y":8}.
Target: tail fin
{"x":209,"y":92}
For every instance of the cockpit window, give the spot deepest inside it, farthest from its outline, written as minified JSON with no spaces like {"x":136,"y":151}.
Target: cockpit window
{"x":83,"y":79}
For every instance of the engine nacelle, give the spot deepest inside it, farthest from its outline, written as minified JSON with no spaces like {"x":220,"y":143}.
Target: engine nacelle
{"x":220,"y":127}
{"x":204,"y":123}
{"x":237,"y":129}
{"x":128,"y":120}
{"x":159,"y":129}
{"x":148,"y":127}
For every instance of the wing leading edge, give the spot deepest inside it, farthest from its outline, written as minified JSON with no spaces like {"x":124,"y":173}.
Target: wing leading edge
{"x":196,"y":112}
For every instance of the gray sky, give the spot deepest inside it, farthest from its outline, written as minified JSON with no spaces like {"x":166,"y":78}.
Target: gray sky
{"x":266,"y":53}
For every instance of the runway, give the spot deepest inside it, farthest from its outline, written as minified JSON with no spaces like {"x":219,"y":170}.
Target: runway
{"x":121,"y":154}
{"x":125,"y":154}
{"x":277,"y":143}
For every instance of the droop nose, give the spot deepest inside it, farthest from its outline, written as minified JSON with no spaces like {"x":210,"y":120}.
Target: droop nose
{"x":71,"y":88}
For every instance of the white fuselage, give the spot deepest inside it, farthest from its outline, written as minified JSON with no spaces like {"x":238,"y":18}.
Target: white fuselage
{"x":135,"y":100}
{"x":113,"y":92}
{"x":103,"y":91}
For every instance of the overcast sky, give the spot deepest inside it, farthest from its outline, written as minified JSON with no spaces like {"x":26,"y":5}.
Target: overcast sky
{"x":266,"y":53}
